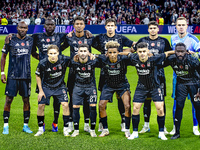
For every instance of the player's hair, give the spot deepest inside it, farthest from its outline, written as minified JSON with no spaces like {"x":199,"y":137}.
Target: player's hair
{"x":112,"y":44}
{"x":79,"y":18}
{"x":142,"y":45}
{"x":152,"y":23}
{"x":83,"y":45}
{"x":49,"y":19}
{"x":23,"y":21}
{"x":110,"y":20}
{"x":180,"y":44}
{"x":181,"y":18}
{"x":52,"y":47}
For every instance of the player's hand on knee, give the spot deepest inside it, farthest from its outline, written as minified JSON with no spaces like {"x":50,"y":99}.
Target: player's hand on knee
{"x":3,"y":78}
{"x":40,"y":95}
{"x":70,"y":33}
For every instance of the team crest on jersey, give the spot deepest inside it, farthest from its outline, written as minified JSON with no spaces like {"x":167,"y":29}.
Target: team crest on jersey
{"x":186,"y":67}
{"x":181,"y":66}
{"x":118,"y":65}
{"x":22,"y":44}
{"x":158,"y":44}
{"x":89,"y":67}
{"x":148,"y":64}
{"x":27,"y":43}
{"x":60,"y":67}
{"x":112,"y":66}
{"x":79,"y":42}
{"x":54,"y":68}
{"x":48,"y":40}
{"x":53,"y":39}
{"x":94,"y":91}
{"x":83,"y":68}
{"x":152,"y":44}
{"x":85,"y":41}
{"x":142,"y":65}
{"x":63,"y":90}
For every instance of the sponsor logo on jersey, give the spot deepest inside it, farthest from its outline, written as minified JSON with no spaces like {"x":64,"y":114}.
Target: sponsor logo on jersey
{"x":175,"y":67}
{"x":48,"y":69}
{"x":79,"y":42}
{"x":181,"y":67}
{"x":48,"y":40}
{"x":143,"y":71}
{"x":54,"y":68}
{"x":158,"y":44}
{"x":84,"y":74}
{"x":55,"y":75}
{"x":89,"y":67}
{"x":22,"y":44}
{"x":27,"y":43}
{"x":186,"y":67}
{"x":152,"y":44}
{"x":83,"y":68}
{"x":22,"y":51}
{"x":17,"y":44}
{"x":42,"y":40}
{"x":142,"y":65}
{"x":113,"y":72}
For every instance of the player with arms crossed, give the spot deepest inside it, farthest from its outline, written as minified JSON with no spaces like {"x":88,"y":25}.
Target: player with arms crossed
{"x":19,"y":73}
{"x":84,"y":88}
{"x":50,"y":76}
{"x":187,"y":69}
{"x":193,"y":45}
{"x":148,"y":86}
{"x":115,"y":69}
{"x":156,"y":45}
{"x":99,"y":43}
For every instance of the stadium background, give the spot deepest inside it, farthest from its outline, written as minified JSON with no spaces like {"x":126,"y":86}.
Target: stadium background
{"x":116,"y":140}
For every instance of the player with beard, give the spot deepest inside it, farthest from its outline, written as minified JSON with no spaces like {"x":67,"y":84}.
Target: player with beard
{"x":84,"y":87}
{"x":156,"y":45}
{"x":99,"y":43}
{"x":79,"y":37}
{"x":19,"y":73}
{"x":187,"y":69}
{"x":50,"y":76}
{"x":193,"y":45}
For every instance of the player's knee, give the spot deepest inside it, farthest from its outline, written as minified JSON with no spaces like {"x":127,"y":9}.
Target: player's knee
{"x":127,"y":107}
{"x":41,"y":107}
{"x":101,"y":106}
{"x":9,"y":100}
{"x":64,"y":105}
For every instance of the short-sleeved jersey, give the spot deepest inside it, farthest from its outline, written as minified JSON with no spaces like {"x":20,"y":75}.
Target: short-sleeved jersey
{"x":100,"y":41}
{"x":53,"y":74}
{"x":19,"y":57}
{"x":42,"y":41}
{"x":147,"y":71}
{"x":74,"y":41}
{"x":187,"y":70}
{"x":192,"y":42}
{"x":157,"y":46}
{"x":115,"y":73}
{"x":85,"y":73}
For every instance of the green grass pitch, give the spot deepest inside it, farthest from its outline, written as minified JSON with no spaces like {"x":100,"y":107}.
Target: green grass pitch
{"x":116,"y":140}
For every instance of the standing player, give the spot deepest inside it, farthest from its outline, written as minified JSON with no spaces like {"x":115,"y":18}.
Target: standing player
{"x":84,"y":88}
{"x":156,"y":45}
{"x":50,"y":76}
{"x":148,"y":85}
{"x":192,"y":43}
{"x":77,"y":38}
{"x":115,"y":68}
{"x":19,"y":73}
{"x":187,"y":69}
{"x":99,"y":43}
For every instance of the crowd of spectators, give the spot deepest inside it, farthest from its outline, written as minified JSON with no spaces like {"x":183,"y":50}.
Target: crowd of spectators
{"x":34,"y":12}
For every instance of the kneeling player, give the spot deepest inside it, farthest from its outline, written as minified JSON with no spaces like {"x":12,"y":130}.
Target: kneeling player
{"x":115,"y":68}
{"x":187,"y":70}
{"x":84,"y":88}
{"x":52,"y":70}
{"x":148,"y":85}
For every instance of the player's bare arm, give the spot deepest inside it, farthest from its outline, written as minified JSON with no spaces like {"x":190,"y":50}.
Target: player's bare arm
{"x":168,"y":53}
{"x":3,"y":61}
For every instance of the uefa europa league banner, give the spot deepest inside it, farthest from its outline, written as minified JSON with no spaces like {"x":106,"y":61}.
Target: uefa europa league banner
{"x":97,"y":29}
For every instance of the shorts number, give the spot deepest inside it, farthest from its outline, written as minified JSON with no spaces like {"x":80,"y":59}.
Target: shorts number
{"x":93,"y":98}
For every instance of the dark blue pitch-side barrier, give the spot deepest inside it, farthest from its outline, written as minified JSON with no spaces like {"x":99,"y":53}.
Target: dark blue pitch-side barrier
{"x":97,"y":29}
